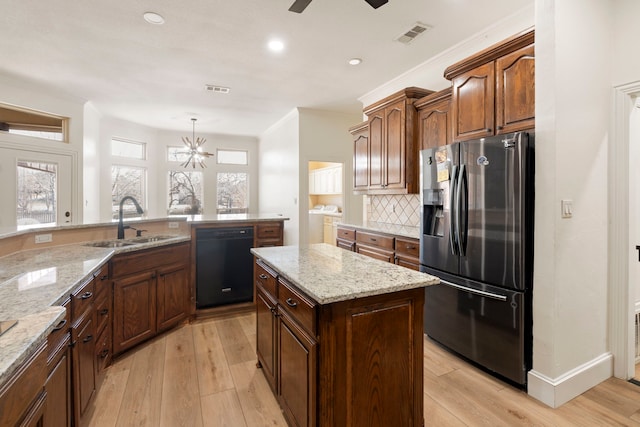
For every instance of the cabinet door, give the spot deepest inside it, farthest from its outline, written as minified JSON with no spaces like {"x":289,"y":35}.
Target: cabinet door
{"x":84,"y":369}
{"x":58,"y":387}
{"x":375,"y":253}
{"x":515,"y":91}
{"x":172,"y":295}
{"x":297,"y":373}
{"x":134,"y":307}
{"x":376,"y":149}
{"x":395,"y":148}
{"x":473,"y":103}
{"x":266,"y":335}
{"x":434,"y":125}
{"x":361,"y":160}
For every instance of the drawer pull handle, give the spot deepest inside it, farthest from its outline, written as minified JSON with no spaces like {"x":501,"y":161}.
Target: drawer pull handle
{"x":291,"y":303}
{"x":104,"y":353}
{"x":104,"y":311}
{"x":411,"y":247}
{"x":105,"y":277}
{"x":60,"y":325}
{"x":268,"y":231}
{"x":86,"y":295}
{"x":373,"y":240}
{"x":88,"y":338}
{"x":226,"y":290}
{"x":263,"y":276}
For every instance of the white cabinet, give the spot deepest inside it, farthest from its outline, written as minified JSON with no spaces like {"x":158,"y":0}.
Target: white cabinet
{"x":326,"y":180}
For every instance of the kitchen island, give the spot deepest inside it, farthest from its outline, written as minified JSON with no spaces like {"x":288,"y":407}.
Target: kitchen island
{"x":339,"y":336}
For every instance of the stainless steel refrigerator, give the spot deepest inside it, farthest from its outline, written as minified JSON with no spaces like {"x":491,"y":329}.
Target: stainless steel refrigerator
{"x":477,"y":237}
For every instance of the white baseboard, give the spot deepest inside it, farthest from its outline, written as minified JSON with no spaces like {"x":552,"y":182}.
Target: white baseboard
{"x":558,"y":391}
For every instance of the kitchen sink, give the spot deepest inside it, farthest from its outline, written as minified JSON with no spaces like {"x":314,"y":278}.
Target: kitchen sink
{"x":109,"y":244}
{"x":149,"y":239}
{"x":128,"y":242}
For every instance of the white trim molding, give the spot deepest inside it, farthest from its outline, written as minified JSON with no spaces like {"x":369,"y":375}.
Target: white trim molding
{"x":555,"y":392}
{"x":621,"y":304}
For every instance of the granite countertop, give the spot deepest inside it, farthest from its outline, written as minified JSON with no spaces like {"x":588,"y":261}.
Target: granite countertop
{"x":329,"y":274}
{"x":395,"y":229}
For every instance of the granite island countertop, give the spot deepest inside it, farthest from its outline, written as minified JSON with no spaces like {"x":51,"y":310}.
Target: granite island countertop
{"x":329,"y":274}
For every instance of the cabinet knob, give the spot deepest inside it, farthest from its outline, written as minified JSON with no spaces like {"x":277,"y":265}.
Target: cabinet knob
{"x":488,"y":129}
{"x":263,"y":276}
{"x":88,"y":338}
{"x":500,"y":127}
{"x":86,"y":295}
{"x":104,"y":353}
{"x":104,"y":311}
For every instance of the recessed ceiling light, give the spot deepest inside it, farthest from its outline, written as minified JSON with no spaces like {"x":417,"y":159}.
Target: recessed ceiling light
{"x":355,"y":61}
{"x":276,"y":45}
{"x":153,"y":18}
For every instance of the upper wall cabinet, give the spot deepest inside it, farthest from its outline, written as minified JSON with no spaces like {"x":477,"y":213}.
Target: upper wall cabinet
{"x":360,"y":134}
{"x":494,"y":90}
{"x":392,"y":157}
{"x":434,"y":119}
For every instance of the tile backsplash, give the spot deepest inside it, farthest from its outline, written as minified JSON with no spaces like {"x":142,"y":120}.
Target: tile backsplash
{"x":395,"y":209}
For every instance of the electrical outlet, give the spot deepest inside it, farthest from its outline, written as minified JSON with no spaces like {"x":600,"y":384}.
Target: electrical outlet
{"x":174,"y":225}
{"x":44,"y":238}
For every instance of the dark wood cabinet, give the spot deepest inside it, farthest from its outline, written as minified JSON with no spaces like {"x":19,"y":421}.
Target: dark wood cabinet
{"x":434,"y":119}
{"x":375,"y":245}
{"x":151,"y":293}
{"x":355,"y":362}
{"x":104,"y":322}
{"x":22,"y":396}
{"x":360,"y":134}
{"x":407,"y":252}
{"x":83,"y":340}
{"x":172,"y":295}
{"x":346,"y":238}
{"x":266,"y":322}
{"x":134,"y":302}
{"x":391,"y":166}
{"x":494,"y":90}
{"x":58,"y":385}
{"x":269,"y":234}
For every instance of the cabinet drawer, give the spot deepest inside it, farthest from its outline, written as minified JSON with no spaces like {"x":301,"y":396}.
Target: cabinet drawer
{"x":82,"y":299}
{"x":266,"y":279}
{"x":102,"y":280}
{"x":59,"y":335}
{"x":372,"y":239}
{"x":269,"y":231}
{"x":149,"y":259}
{"x":409,"y":247}
{"x":300,"y":307}
{"x":346,"y":234}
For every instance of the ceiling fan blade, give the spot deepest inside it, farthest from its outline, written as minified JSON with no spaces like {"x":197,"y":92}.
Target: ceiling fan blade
{"x":299,"y":5}
{"x":377,"y":3}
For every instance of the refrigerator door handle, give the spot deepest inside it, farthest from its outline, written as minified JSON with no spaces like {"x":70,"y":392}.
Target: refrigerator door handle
{"x":453,"y":212}
{"x":475,"y":291}
{"x":463,"y":204}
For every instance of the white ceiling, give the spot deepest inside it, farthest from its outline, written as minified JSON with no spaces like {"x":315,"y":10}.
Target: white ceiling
{"x":104,"y":52}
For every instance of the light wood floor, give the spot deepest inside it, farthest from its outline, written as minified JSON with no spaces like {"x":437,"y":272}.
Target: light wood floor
{"x":205,"y":374}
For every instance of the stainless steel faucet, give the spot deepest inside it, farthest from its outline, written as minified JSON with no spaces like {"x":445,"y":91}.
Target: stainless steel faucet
{"x":121,"y":226}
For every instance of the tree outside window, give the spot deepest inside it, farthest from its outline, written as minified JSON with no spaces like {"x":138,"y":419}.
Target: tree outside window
{"x":232,"y":192}
{"x":37,"y":193}
{"x":127,"y":181}
{"x":185,"y":192}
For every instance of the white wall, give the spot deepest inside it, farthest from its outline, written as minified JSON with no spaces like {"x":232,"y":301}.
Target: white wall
{"x":279,"y":170}
{"x":91,"y":170}
{"x":324,"y":136}
{"x":626,"y":61}
{"x":573,"y":105}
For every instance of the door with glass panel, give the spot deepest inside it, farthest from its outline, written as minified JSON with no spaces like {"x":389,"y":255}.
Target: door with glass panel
{"x":36,"y":188}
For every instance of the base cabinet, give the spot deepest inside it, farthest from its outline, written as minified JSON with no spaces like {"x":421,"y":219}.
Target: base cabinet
{"x":150,"y":293}
{"x":349,"y":363}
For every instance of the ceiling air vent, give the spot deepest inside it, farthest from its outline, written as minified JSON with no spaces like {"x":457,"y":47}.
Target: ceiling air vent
{"x":417,"y":29}
{"x":217,"y":89}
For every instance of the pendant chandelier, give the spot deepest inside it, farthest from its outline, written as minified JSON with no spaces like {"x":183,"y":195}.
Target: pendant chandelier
{"x":194,"y":149}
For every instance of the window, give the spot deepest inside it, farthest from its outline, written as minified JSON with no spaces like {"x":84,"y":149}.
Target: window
{"x":177,"y":154}
{"x":32,"y":123}
{"x":233,"y":196}
{"x":232,"y":157}
{"x":128,"y":149}
{"x":37,"y":193}
{"x":127,"y":181}
{"x":185,"y":193}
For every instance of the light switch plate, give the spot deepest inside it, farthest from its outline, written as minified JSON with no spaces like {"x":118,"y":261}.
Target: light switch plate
{"x":567,"y":208}
{"x":44,"y":238}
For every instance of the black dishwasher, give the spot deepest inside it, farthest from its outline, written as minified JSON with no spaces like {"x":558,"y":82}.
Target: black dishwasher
{"x":224,"y":266}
